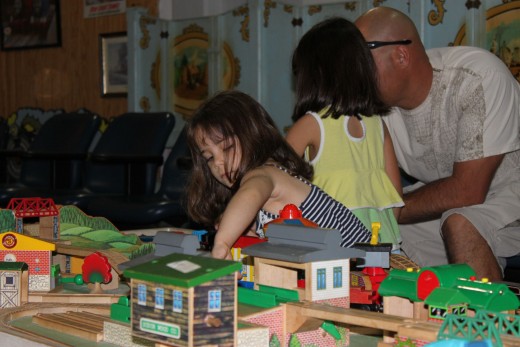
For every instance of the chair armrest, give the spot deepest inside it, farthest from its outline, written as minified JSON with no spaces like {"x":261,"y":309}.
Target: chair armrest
{"x":130,"y":162}
{"x":52,"y":157}
{"x":12,"y":153}
{"x":127,"y":159}
{"x":20,"y":153}
{"x":55,"y":156}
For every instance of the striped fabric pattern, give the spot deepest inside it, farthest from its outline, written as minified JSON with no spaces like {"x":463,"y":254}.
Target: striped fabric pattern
{"x":328,"y":213}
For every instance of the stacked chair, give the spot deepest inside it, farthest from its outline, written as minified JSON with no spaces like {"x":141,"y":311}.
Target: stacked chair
{"x":4,"y":136}
{"x":165,"y":207}
{"x":55,"y":159}
{"x":125,"y":160}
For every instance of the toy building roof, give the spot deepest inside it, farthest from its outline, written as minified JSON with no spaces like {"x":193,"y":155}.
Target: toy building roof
{"x":13,"y":266}
{"x":488,"y":295}
{"x":167,"y":242}
{"x":182,"y":270}
{"x":12,"y":241}
{"x":300,"y":244}
{"x":244,"y":241}
{"x":400,"y":283}
{"x":444,"y":297}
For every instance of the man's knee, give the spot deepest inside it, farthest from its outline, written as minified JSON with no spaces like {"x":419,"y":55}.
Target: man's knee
{"x":452,"y":226}
{"x":461,"y":236}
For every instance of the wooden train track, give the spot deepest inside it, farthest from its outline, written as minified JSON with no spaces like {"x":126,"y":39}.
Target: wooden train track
{"x":8,"y":315}
{"x":85,"y":325}
{"x":298,"y":312}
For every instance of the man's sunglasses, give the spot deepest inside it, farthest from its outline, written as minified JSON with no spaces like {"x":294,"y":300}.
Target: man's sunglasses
{"x":377,"y":44}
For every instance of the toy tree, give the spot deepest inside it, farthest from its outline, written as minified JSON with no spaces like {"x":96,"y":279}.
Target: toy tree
{"x":96,"y":270}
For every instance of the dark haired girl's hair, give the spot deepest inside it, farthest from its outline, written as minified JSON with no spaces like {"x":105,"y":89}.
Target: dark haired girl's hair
{"x":334,"y":67}
{"x":237,"y":119}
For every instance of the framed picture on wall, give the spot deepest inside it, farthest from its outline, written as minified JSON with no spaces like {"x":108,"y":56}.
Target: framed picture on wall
{"x":190,"y":69}
{"x":30,"y":24}
{"x":113,"y":56}
{"x":502,"y":35}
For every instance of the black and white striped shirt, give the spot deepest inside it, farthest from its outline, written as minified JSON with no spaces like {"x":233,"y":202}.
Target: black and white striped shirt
{"x":322,"y":209}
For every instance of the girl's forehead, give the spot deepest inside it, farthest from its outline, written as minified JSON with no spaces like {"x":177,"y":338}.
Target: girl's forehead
{"x":207,"y":136}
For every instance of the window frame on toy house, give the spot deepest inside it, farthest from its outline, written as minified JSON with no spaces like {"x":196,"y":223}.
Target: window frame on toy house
{"x":159,"y":298}
{"x":321,"y":279}
{"x":141,"y":290}
{"x":337,"y":277}
{"x":214,"y":300}
{"x":177,"y":300}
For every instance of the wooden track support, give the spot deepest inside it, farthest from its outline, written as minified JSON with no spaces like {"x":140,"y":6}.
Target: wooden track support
{"x":298,"y":312}
{"x":85,"y":325}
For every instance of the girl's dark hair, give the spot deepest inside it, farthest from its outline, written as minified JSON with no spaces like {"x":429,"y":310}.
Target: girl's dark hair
{"x":333,"y":67}
{"x":237,"y":119}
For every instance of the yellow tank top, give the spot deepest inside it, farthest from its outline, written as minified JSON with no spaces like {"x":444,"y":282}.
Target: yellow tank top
{"x":352,"y":170}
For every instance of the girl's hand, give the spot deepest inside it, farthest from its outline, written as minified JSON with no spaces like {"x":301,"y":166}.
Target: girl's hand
{"x":221,"y":251}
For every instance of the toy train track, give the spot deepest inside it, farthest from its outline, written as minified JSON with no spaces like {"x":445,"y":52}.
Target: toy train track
{"x":298,"y":312}
{"x":7,"y":316}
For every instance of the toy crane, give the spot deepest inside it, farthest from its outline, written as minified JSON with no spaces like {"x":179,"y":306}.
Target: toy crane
{"x":374,"y":240}
{"x":376,"y":260}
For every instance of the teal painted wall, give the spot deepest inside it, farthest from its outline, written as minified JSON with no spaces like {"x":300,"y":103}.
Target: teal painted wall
{"x":261,"y":37}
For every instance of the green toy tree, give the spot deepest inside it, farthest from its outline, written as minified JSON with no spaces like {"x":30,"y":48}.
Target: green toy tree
{"x":294,"y":341}
{"x":274,"y":341}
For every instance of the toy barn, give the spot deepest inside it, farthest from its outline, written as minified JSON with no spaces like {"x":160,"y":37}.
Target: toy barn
{"x":446,"y":289}
{"x":35,"y":252}
{"x":309,"y":260}
{"x":185,"y":300}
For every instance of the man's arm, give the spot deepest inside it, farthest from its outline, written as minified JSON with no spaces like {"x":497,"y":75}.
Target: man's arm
{"x":468,"y":185}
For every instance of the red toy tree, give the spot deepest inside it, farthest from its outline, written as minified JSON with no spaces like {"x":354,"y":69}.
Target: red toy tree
{"x":96,"y":270}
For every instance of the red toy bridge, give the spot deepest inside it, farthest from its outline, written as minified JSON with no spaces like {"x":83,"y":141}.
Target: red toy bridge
{"x":32,"y":207}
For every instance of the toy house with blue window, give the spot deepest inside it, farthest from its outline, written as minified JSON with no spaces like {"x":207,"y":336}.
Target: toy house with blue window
{"x":306,"y":259}
{"x":185,"y":300}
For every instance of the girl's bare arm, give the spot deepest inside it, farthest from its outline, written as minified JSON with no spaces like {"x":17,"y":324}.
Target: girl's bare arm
{"x":255,"y":190}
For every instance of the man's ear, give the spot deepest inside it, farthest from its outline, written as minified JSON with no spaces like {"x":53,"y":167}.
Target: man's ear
{"x":401,"y":56}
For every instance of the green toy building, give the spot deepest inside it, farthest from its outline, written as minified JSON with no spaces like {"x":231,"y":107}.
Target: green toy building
{"x":185,"y":300}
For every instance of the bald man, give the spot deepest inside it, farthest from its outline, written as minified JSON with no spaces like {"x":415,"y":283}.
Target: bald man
{"x":455,"y":124}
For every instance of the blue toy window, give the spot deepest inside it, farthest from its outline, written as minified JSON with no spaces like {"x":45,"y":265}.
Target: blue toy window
{"x":321,"y":279}
{"x":214,"y":300}
{"x":141,"y":294}
{"x":338,"y":277}
{"x":159,"y":298}
{"x":177,"y":301}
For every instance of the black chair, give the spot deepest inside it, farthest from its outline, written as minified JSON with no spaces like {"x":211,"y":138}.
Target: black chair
{"x":125,"y":160}
{"x":55,"y":158}
{"x":4,"y":137}
{"x":162,"y":208}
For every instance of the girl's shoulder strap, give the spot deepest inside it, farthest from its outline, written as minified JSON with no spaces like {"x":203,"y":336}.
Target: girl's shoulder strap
{"x":284,"y":169}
